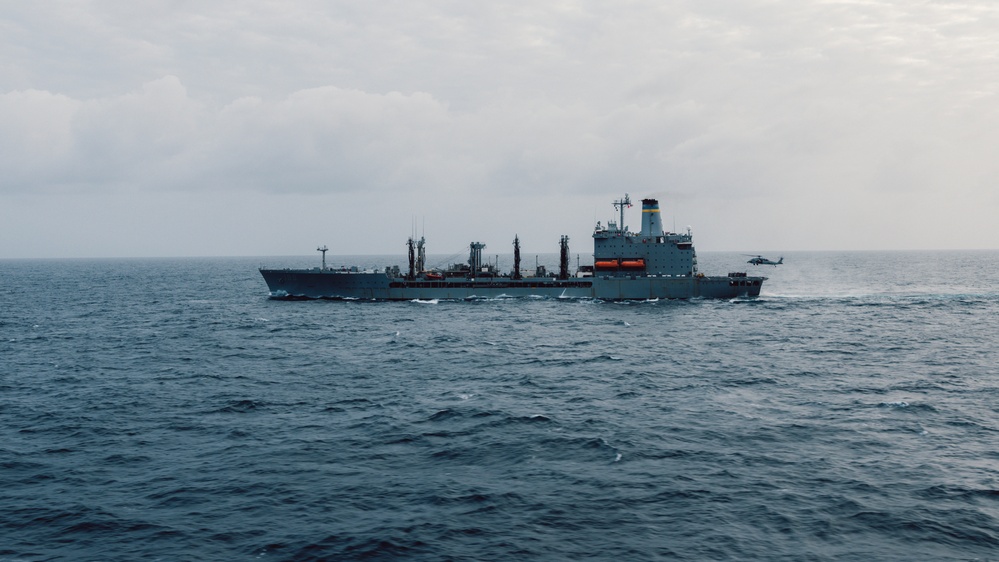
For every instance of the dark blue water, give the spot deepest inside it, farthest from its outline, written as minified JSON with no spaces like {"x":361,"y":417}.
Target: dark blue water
{"x":168,"y":410}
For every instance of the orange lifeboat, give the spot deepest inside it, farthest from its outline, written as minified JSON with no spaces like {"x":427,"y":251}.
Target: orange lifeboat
{"x":605,"y":264}
{"x":638,"y":263}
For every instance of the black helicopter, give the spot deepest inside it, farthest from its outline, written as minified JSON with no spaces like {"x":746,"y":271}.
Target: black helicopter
{"x":760,"y":260}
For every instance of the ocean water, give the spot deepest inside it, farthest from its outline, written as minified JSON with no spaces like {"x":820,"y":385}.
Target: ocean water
{"x":168,"y":410}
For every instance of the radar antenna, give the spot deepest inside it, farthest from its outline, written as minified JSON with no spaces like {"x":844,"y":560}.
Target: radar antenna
{"x":323,"y":249}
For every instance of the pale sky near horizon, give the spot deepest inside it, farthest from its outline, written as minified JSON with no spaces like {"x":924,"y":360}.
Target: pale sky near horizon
{"x":209,"y":128}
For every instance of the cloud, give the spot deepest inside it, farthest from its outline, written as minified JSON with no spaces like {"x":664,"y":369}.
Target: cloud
{"x":330,"y":139}
{"x":36,"y":137}
{"x":158,"y":137}
{"x":53,"y":141}
{"x":830,"y":111}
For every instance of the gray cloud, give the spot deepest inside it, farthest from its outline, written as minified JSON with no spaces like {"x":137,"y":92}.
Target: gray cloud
{"x":765,"y":124}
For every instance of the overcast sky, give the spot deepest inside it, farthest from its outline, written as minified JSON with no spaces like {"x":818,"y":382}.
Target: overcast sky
{"x":189,"y":128}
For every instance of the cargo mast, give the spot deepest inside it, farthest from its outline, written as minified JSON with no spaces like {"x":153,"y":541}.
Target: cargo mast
{"x":563,"y":262}
{"x":475,"y":257}
{"x":516,"y":257}
{"x":412,"y":258}
{"x":421,"y":256}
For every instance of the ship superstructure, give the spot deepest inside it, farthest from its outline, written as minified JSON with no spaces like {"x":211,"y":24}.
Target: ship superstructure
{"x":618,"y":252}
{"x":649,"y":264}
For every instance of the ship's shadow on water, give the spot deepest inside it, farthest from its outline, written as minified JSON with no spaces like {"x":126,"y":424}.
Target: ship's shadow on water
{"x":174,"y":411}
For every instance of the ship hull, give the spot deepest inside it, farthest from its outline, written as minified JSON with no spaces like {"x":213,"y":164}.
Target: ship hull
{"x":330,"y":284}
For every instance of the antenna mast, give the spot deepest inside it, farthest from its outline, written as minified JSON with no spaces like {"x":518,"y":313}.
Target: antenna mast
{"x":323,"y":249}
{"x":620,"y":204}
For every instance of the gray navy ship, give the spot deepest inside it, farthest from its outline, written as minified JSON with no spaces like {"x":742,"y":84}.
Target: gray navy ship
{"x":651,"y":264}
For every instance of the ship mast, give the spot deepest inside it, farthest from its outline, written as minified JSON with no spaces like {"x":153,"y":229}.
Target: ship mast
{"x":323,"y":249}
{"x":563,"y":263}
{"x":421,"y":256}
{"x":516,"y":257}
{"x":475,"y":257}
{"x":620,"y":204}
{"x":412,"y":258}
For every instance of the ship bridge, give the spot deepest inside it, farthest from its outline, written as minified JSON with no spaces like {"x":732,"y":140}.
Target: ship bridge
{"x":650,"y":252}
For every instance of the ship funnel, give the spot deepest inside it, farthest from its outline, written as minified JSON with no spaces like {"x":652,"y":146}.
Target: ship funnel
{"x":652,"y":223}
